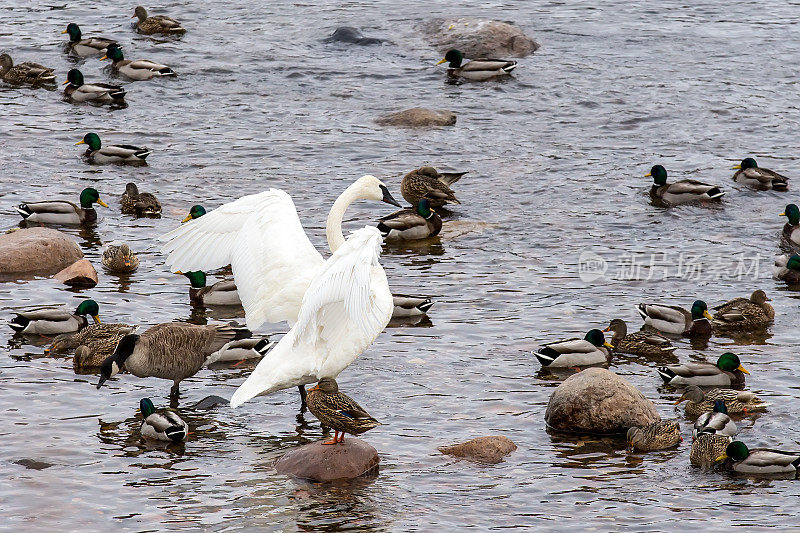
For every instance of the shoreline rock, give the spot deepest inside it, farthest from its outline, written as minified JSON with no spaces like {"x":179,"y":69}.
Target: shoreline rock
{"x":81,"y":273}
{"x":31,"y":251}
{"x":317,"y":462}
{"x":418,"y":117}
{"x":478,"y":38}
{"x":486,"y":450}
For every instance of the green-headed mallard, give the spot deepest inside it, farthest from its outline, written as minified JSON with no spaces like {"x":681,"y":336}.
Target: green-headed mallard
{"x":221,"y":293}
{"x":791,"y":230}
{"x":590,"y":350}
{"x":680,"y":192}
{"x":161,"y":425}
{"x":736,"y":402}
{"x":115,"y":153}
{"x":739,"y":458}
{"x":716,"y":421}
{"x":407,"y":306}
{"x":655,"y":436}
{"x":78,"y":91}
{"x":158,"y":24}
{"x":338,"y":411}
{"x":106,"y":335}
{"x":638,"y":342}
{"x":744,"y":314}
{"x":476,"y":69}
{"x":750,"y":174}
{"x":141,"y":204}
{"x":173,"y":351}
{"x":139,"y":69}
{"x":676,"y":320}
{"x":88,"y":46}
{"x":196,"y":211}
{"x":706,"y":448}
{"x":411,"y":224}
{"x":117,"y":257}
{"x":24,"y":73}
{"x":727,"y":371}
{"x":62,"y":211}
{"x":55,"y":321}
{"x":787,"y":268}
{"x":427,"y":182}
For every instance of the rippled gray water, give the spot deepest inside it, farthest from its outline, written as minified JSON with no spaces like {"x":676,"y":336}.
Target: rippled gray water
{"x":555,"y":157}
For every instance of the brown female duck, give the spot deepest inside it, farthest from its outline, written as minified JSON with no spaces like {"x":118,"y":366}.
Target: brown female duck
{"x":338,"y":411}
{"x":426,"y":182}
{"x":638,"y":342}
{"x":744,"y":314}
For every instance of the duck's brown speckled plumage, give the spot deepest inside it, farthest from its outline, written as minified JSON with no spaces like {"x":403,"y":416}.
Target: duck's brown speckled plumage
{"x":139,"y":203}
{"x":157,"y":24}
{"x":337,"y":410}
{"x":105,"y":336}
{"x":119,"y":258}
{"x":706,"y":448}
{"x":426,"y":182}
{"x":655,"y":436}
{"x":639,"y":342}
{"x":742,"y":314}
{"x":736,"y":402}
{"x":25,"y":73}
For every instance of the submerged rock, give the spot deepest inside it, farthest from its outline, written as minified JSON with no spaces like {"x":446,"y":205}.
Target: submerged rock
{"x":349,"y":34}
{"x":81,"y":273}
{"x":36,"y":251}
{"x":319,"y":462}
{"x":478,"y":38}
{"x":489,"y":450}
{"x":598,"y":401}
{"x":418,"y":117}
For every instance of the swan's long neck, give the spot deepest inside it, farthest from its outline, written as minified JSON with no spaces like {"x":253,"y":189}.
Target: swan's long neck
{"x":333,"y":227}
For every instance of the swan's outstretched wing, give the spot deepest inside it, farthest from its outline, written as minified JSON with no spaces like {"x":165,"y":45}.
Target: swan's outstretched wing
{"x":261,"y":237}
{"x":345,"y":308}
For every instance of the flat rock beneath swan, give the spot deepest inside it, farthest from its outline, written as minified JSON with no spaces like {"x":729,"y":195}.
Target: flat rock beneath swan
{"x":318,"y":462}
{"x":478,"y":38}
{"x":36,"y":251}
{"x":488,"y":450}
{"x":597,"y":401}
{"x":418,"y":117}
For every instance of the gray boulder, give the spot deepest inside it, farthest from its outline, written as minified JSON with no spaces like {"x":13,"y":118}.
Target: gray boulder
{"x":81,"y":273}
{"x":489,"y":450}
{"x":319,"y":462}
{"x":36,"y":251}
{"x":598,"y":401}
{"x":418,"y":117}
{"x":477,"y":38}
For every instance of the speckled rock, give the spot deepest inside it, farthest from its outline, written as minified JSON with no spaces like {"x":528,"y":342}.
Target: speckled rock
{"x":418,"y":117}
{"x":318,"y":462}
{"x":598,"y":401}
{"x":81,"y":273}
{"x":489,"y":450}
{"x":478,"y":38}
{"x":36,"y":251}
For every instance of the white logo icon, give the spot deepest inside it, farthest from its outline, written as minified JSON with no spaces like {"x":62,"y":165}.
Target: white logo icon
{"x":591,"y":267}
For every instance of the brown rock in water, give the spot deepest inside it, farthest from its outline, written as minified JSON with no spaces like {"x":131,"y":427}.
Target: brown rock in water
{"x":490,"y":450}
{"x":318,"y":462}
{"x":418,"y":117}
{"x":81,"y":273}
{"x":598,"y":401}
{"x":477,"y":38}
{"x":36,"y":251}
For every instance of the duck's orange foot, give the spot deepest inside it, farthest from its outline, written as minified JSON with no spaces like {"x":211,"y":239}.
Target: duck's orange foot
{"x":329,"y":442}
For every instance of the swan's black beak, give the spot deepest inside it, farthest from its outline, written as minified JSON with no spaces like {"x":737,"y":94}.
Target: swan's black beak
{"x":387,"y":197}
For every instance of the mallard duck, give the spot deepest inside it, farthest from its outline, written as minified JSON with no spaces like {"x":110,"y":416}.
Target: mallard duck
{"x":102,"y":93}
{"x":115,"y":153}
{"x":55,"y":321}
{"x":240,"y":350}
{"x":739,"y":458}
{"x":736,"y":402}
{"x":744,"y":314}
{"x":750,"y":174}
{"x":158,"y":24}
{"x":791,"y":230}
{"x":161,"y":425}
{"x":117,"y":257}
{"x":173,"y":351}
{"x":787,"y":268}
{"x":655,"y":436}
{"x":427,"y":182}
{"x":638,"y":342}
{"x":406,"y":306}
{"x":716,"y":421}
{"x":61,"y":211}
{"x":25,"y":73}
{"x":476,"y":69}
{"x":139,"y":70}
{"x":221,"y":293}
{"x":706,"y":448}
{"x":676,"y":320}
{"x":728,"y":371}
{"x":141,"y":204}
{"x":196,"y":211}
{"x":591,"y":350}
{"x":411,"y":224}
{"x":85,"y":47}
{"x":107,"y":335}
{"x":338,"y":411}
{"x":680,"y":192}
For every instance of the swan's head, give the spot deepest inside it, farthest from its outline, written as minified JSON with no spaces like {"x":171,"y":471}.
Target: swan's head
{"x":371,"y":188}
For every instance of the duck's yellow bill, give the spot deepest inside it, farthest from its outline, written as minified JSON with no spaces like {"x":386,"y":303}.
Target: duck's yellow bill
{"x":104,"y":57}
{"x":736,"y":167}
{"x":679,"y":401}
{"x":708,"y":315}
{"x":178,"y":272}
{"x":187,"y":219}
{"x":66,"y":82}
{"x":63,"y":32}
{"x":648,"y":175}
{"x":741,"y":368}
{"x":96,"y":318}
{"x":442,"y":61}
{"x":782,"y":214}
{"x":721,"y":457}
{"x":101,"y":202}
{"x":80,"y":142}
{"x":608,"y":345}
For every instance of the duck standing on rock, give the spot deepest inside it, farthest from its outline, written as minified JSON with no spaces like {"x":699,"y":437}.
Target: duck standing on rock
{"x":115,"y":153}
{"x":420,"y":222}
{"x":25,"y":73}
{"x":338,"y":411}
{"x":736,"y":402}
{"x":727,"y":372}
{"x":676,"y":320}
{"x":638,"y":342}
{"x":141,"y":204}
{"x":62,"y":211}
{"x":118,"y":258}
{"x":55,"y":321}
{"x":161,"y":425}
{"x":743,"y":314}
{"x":427,"y":182}
{"x":157,"y":24}
{"x":680,"y":192}
{"x":476,"y":69}
{"x":137,"y":70}
{"x":591,"y":350}
{"x":749,"y":173}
